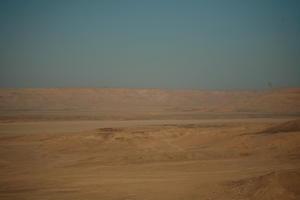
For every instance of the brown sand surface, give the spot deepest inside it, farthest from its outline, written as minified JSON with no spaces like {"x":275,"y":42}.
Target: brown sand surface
{"x":150,"y":159}
{"x":136,"y":104}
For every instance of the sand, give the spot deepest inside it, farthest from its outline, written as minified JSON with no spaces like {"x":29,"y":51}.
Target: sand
{"x":150,"y":159}
{"x":149,"y":144}
{"x":140,"y":104}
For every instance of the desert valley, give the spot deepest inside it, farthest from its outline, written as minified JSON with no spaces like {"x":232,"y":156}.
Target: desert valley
{"x":149,"y":144}
{"x":149,"y":100}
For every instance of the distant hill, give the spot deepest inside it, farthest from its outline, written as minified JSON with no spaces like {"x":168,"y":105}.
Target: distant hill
{"x":275,"y":101}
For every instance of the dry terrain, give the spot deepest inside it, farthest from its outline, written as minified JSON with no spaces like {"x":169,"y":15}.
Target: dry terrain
{"x":128,"y":104}
{"x":149,"y":149}
{"x":175,"y":159}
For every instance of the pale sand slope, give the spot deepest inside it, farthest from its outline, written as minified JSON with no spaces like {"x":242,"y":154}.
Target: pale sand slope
{"x":212,"y":160}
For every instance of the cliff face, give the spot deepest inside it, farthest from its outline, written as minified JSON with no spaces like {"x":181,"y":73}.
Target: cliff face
{"x":277,"y":101}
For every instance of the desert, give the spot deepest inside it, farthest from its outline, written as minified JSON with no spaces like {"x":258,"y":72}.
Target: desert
{"x":149,"y":100}
{"x":110,"y":144}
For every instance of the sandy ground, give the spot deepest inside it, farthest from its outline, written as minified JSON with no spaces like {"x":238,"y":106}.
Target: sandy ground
{"x":150,"y":159}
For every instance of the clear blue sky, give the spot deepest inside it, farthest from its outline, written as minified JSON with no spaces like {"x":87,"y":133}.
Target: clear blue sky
{"x":201,"y":44}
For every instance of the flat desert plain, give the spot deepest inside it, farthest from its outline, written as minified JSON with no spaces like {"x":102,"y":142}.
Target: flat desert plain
{"x":143,"y":148}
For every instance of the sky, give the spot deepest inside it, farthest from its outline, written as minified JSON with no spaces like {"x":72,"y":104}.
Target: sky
{"x":187,"y":44}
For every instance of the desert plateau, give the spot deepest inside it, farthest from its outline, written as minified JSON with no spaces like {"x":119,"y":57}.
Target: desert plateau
{"x":149,"y":144}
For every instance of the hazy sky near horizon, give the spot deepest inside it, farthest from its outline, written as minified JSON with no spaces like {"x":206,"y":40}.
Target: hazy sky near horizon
{"x":199,"y":44}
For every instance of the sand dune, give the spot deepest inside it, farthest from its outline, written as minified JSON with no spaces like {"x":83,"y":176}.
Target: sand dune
{"x":290,"y":126}
{"x":283,"y":184}
{"x":207,"y":160}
